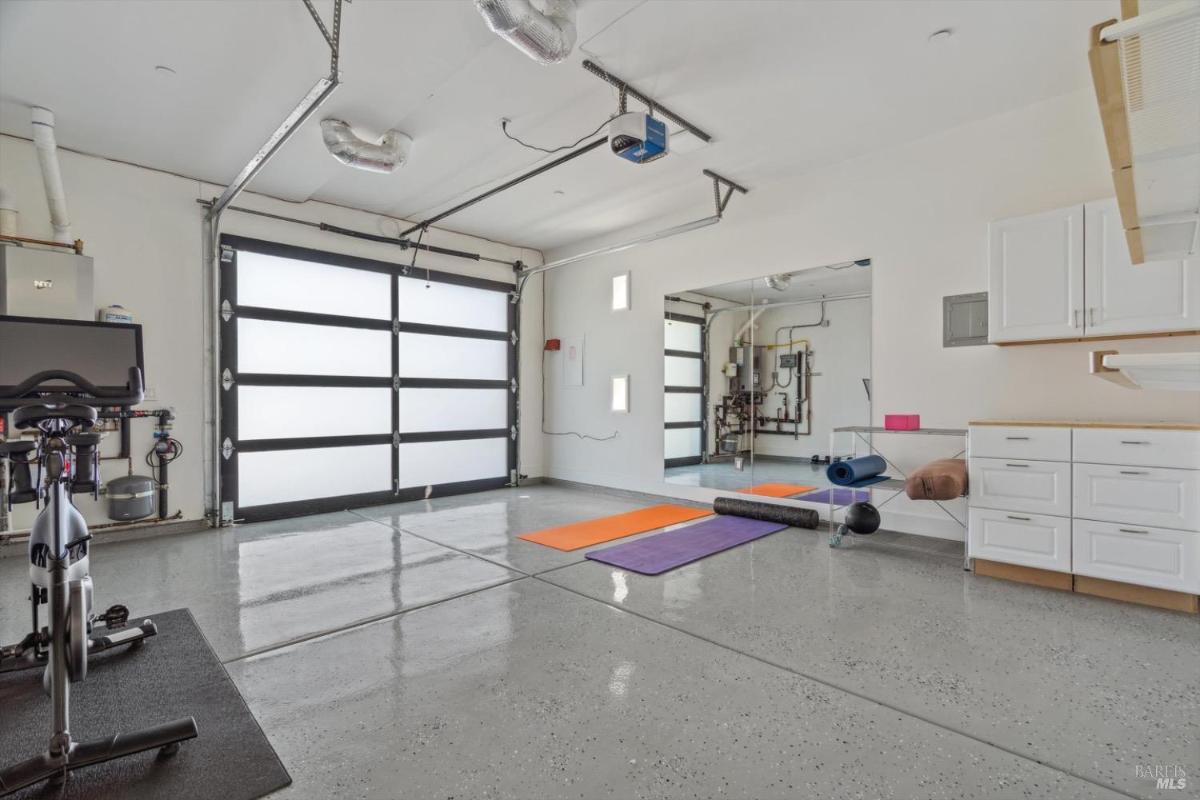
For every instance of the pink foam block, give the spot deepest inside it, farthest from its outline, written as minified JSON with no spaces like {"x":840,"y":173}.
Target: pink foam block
{"x":902,"y":422}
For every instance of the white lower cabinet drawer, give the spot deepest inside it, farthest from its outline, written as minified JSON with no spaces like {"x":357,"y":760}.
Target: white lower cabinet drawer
{"x":1147,"y":556}
{"x":1145,"y":448}
{"x":1039,"y":487}
{"x":1032,"y":540}
{"x":1162,"y":498}
{"x":1037,"y":443}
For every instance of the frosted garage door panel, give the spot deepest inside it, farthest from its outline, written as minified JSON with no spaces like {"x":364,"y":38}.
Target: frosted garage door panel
{"x":453,"y":409}
{"x":681,"y":336}
{"x":279,"y":412}
{"x":448,"y":304}
{"x":427,"y":356}
{"x":290,"y":347}
{"x":431,"y":463}
{"x":294,"y":285}
{"x":285,"y":476}
{"x":681,"y":442}
{"x":681,"y":407}
{"x":679,"y":371}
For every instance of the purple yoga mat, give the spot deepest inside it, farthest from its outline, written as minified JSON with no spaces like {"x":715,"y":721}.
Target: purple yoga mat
{"x":841,"y":497}
{"x":656,"y":554}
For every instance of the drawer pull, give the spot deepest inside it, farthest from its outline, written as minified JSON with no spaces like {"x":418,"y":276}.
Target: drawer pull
{"x":1131,"y":530}
{"x":1026,"y":466}
{"x":1017,"y":438}
{"x":1133,"y":472}
{"x":1125,"y":442}
{"x":1022,"y":519}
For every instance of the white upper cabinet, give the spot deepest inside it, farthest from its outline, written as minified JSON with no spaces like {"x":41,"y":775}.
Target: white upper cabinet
{"x":1035,"y":277}
{"x":1154,"y":297}
{"x":1066,"y":274}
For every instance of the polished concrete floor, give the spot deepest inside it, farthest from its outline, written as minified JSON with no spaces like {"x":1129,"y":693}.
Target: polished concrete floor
{"x":422,"y":651}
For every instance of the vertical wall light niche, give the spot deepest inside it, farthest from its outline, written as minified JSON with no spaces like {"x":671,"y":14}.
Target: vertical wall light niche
{"x":620,"y":394}
{"x":620,"y":292}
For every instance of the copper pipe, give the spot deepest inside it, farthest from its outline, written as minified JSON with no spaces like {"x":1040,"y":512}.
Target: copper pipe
{"x":77,"y":246}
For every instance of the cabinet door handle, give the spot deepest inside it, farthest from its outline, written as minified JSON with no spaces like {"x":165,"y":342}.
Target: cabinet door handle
{"x":1131,"y":530}
{"x":1125,"y":442}
{"x":1133,"y":472}
{"x":1024,"y":466}
{"x":1022,"y":519}
{"x":1017,"y":438}
{"x":1092,"y":316}
{"x":1076,"y":325}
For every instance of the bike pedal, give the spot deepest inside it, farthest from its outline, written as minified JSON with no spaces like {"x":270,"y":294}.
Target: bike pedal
{"x":115,"y":617}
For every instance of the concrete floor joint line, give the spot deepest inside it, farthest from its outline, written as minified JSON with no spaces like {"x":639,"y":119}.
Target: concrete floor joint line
{"x":400,"y":529}
{"x":362,"y":623}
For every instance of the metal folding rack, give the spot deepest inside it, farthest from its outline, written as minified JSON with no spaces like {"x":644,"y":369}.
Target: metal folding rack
{"x":893,"y":486}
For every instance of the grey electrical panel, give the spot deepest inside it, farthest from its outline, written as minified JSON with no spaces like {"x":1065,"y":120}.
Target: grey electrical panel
{"x":788,"y":360}
{"x":45,"y":283}
{"x":965,"y":319}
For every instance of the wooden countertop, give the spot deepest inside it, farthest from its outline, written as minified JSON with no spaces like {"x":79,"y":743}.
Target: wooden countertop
{"x":1088,"y":423}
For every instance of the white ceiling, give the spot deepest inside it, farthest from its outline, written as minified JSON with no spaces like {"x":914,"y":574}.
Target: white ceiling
{"x":782,"y":86}
{"x":806,"y":284}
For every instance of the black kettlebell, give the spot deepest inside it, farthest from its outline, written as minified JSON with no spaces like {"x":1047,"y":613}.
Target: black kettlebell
{"x":862,"y":518}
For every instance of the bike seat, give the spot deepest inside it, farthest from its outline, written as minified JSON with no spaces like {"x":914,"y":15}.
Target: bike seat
{"x":29,"y":416}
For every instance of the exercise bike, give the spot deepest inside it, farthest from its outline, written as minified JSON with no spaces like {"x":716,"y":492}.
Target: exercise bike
{"x":65,"y":455}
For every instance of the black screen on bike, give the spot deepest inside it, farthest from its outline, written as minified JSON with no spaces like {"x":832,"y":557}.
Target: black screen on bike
{"x":101,"y":352}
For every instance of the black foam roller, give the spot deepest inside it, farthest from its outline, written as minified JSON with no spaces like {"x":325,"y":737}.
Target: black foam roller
{"x":771,"y":512}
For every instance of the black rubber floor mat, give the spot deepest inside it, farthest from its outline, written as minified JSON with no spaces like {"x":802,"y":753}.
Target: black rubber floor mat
{"x":174,"y":674}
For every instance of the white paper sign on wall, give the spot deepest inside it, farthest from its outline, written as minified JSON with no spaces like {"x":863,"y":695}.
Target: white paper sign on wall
{"x":572,"y":372}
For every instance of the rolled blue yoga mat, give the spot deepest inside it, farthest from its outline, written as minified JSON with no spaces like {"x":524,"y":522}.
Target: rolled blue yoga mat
{"x":857,"y":471}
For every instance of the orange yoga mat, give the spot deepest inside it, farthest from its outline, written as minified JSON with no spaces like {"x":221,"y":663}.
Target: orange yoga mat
{"x":605,"y":529}
{"x":776,"y":489}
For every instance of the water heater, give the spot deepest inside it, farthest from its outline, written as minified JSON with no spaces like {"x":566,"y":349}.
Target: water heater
{"x":45,"y":283}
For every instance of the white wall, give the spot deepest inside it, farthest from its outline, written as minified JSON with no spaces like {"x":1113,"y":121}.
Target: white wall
{"x":841,"y":359}
{"x":920,"y":212}
{"x":143,"y":228}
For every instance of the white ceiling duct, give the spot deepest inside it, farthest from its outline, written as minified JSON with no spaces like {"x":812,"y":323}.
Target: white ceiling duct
{"x":348,"y":148}
{"x":47,"y":152}
{"x":545,"y":36}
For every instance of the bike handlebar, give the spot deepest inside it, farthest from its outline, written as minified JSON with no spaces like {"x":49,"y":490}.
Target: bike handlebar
{"x":29,"y":390}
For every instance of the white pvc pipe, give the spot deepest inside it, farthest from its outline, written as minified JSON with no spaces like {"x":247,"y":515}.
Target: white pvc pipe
{"x":8,"y":214}
{"x":1152,"y":20}
{"x":47,"y":151}
{"x":754,"y":315}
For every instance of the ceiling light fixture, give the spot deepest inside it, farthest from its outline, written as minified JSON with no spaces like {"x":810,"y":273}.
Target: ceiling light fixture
{"x":779,"y":282}
{"x":862,"y":262}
